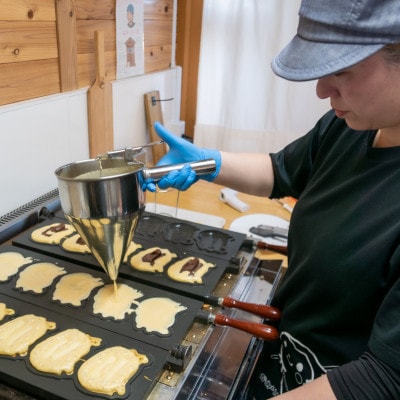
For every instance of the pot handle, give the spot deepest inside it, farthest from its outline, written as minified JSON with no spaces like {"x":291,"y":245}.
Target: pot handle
{"x":203,"y":167}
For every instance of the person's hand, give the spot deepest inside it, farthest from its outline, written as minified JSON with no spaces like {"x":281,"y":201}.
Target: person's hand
{"x":182,"y":151}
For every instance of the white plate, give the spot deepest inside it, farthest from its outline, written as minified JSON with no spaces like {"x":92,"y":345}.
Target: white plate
{"x":187,"y":215}
{"x":243,"y":225}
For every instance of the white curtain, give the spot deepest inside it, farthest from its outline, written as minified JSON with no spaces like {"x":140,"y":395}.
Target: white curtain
{"x":242,"y":105}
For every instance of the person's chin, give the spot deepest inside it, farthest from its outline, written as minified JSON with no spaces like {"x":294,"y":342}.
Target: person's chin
{"x":357,"y":125}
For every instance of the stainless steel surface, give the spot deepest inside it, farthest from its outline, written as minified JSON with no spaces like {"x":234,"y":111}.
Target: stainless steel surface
{"x":100,"y":188}
{"x":268,"y":230}
{"x":102,"y":199}
{"x":201,"y":167}
{"x":222,"y":357}
{"x":129,"y":153}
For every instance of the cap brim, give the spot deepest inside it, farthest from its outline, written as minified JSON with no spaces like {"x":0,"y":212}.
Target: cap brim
{"x":304,"y":60}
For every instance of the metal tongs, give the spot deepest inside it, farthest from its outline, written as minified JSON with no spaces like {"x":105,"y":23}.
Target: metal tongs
{"x":129,"y":153}
{"x":268,"y":230}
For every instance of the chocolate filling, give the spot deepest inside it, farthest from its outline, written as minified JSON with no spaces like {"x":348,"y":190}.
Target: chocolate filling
{"x":54,"y":229}
{"x":152,"y":257}
{"x":80,"y":241}
{"x":192,"y":266}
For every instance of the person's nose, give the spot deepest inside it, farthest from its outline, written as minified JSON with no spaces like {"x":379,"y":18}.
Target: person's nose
{"x":326,"y":88}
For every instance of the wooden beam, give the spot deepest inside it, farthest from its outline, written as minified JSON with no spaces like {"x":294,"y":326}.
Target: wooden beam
{"x":189,"y":20}
{"x":67,"y":49}
{"x":100,"y":104}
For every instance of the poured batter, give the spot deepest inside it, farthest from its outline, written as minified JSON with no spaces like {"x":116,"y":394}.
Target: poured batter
{"x":53,"y":233}
{"x":152,"y":260}
{"x":109,"y":302}
{"x":5,"y":311}
{"x":38,"y":276}
{"x":76,"y":287}
{"x":189,"y":270}
{"x":131,"y":249}
{"x":59,"y":353}
{"x":157,"y":314}
{"x":10,"y":263}
{"x":110,"y":370}
{"x":18,"y":334}
{"x":75,"y":244}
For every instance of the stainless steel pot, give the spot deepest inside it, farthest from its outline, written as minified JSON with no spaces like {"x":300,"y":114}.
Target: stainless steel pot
{"x":103,"y":198}
{"x":101,"y":188}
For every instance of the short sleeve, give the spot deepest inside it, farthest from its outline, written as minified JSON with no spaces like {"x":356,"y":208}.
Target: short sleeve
{"x":293,"y":165}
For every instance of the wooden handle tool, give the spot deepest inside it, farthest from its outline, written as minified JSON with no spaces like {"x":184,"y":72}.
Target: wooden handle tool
{"x":262,"y":310}
{"x":261,"y":331}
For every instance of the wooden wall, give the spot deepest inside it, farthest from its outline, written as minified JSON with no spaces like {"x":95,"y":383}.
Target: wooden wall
{"x":189,"y":22}
{"x":47,"y":46}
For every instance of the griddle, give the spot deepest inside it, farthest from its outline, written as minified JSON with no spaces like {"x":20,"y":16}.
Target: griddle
{"x":18,"y":371}
{"x":127,"y":326}
{"x":199,"y":375}
{"x":180,"y":237}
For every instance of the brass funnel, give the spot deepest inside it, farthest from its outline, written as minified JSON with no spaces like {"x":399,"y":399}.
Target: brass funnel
{"x":103,"y":199}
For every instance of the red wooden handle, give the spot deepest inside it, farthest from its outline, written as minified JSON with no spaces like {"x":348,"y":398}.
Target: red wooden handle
{"x":262,"y":310}
{"x":262,"y":331}
{"x":273,"y":247}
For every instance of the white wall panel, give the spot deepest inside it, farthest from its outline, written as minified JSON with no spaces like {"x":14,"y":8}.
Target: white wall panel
{"x":40,"y":135}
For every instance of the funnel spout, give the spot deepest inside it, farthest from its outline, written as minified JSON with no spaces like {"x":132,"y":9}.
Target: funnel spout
{"x":108,"y":239}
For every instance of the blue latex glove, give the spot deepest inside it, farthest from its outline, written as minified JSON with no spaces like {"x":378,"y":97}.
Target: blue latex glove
{"x":182,"y":151}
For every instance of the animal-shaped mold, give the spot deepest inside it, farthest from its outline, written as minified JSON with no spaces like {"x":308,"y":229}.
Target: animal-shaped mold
{"x":213,"y":240}
{"x":150,"y":225}
{"x":179,"y":233}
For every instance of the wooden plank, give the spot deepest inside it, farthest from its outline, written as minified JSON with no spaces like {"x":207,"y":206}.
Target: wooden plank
{"x":157,"y":58}
{"x":86,"y":50}
{"x":158,"y":9}
{"x":157,"y":33}
{"x":26,"y":10}
{"x":87,"y":68}
{"x":67,"y":48}
{"x":27,"y":80}
{"x":27,"y":41}
{"x":95,"y":9}
{"x":100,"y":116}
{"x":85,"y":32}
{"x":90,"y":10}
{"x":153,"y":114}
{"x":36,"y":35}
{"x":190,"y":14}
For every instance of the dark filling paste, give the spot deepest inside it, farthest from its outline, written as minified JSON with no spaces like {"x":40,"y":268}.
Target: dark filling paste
{"x":54,"y":229}
{"x":152,"y":257}
{"x":80,"y":241}
{"x":192,"y":266}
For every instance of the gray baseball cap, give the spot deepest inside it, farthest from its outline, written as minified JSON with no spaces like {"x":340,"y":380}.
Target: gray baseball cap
{"x":335,"y":34}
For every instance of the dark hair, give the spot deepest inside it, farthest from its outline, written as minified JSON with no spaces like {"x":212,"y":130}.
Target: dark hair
{"x":392,"y":52}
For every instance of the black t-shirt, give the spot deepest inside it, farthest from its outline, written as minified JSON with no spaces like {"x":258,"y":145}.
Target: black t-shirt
{"x":341,"y":293}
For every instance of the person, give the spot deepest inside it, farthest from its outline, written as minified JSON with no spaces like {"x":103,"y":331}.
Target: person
{"x":130,"y":15}
{"x":340,"y":297}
